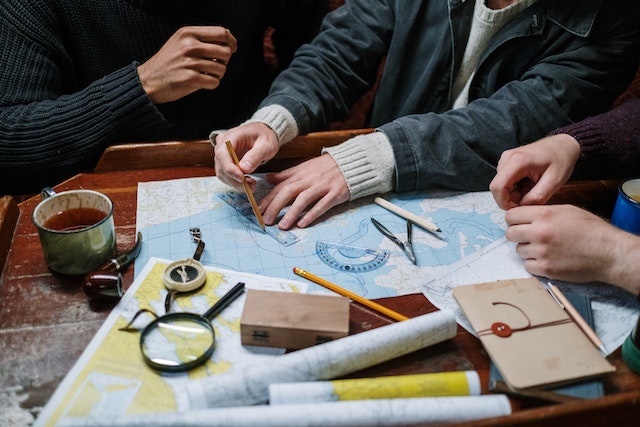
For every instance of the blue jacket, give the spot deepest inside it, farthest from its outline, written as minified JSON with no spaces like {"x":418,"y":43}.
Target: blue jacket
{"x":554,"y":63}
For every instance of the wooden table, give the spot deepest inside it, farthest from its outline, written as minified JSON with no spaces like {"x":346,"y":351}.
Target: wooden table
{"x":46,"y":321}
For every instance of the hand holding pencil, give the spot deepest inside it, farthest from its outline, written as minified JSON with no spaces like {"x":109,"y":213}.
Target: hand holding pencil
{"x":247,"y":189}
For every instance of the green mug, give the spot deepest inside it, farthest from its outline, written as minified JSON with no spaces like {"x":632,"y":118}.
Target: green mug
{"x":76,"y":230}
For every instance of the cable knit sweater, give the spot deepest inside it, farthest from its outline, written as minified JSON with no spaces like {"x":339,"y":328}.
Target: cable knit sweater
{"x":69,"y":85}
{"x":609,"y":143}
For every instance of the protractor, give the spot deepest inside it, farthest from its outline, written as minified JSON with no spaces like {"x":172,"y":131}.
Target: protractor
{"x":239,"y":202}
{"x":350,"y":258}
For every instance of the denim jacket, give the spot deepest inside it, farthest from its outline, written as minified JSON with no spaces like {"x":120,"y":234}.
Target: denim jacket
{"x":554,"y":63}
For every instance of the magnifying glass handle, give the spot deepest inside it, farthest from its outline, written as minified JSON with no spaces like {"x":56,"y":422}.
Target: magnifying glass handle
{"x":226,"y":299}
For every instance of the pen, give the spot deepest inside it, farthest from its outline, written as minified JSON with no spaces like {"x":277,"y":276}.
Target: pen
{"x":406,"y":214}
{"x":247,"y":189}
{"x":345,"y":293}
{"x":573,"y":313}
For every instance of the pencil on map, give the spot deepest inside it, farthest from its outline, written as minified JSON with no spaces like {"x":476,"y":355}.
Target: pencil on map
{"x":419,"y":221}
{"x":247,"y":189}
{"x":345,"y":293}
{"x":573,"y":313}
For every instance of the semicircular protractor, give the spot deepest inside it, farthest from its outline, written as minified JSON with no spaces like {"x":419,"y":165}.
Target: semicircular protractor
{"x":350,"y":258}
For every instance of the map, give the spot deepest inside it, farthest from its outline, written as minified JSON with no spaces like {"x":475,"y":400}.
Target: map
{"x":615,"y":311}
{"x":110,"y":379}
{"x":342,"y":247}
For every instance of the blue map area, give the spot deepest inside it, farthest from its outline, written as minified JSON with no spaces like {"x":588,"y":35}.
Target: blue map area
{"x":343,"y":247}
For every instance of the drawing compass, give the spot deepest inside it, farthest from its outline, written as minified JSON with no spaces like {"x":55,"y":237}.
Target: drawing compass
{"x":407,"y":247}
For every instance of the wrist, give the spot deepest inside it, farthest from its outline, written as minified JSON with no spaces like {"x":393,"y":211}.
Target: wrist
{"x":624,"y":261}
{"x":570,"y":148}
{"x":279,"y":120}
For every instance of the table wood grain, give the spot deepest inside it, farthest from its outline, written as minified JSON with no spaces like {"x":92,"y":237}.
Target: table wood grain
{"x":46,"y":321}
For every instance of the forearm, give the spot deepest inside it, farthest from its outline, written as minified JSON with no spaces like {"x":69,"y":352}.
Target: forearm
{"x":323,"y":82}
{"x":56,"y":137}
{"x":608,"y":142}
{"x":366,"y":163}
{"x":70,"y":124}
{"x":623,"y":252}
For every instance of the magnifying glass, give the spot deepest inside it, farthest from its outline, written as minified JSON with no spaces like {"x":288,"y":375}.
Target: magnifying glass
{"x":177,"y":342}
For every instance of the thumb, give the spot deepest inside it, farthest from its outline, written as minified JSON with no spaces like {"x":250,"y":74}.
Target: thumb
{"x":257,"y":155}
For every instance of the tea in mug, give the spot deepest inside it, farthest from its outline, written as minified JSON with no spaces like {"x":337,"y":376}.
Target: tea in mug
{"x":74,"y":219}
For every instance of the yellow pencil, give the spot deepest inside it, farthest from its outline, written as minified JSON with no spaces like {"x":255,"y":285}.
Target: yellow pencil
{"x":247,"y":189}
{"x":345,"y":293}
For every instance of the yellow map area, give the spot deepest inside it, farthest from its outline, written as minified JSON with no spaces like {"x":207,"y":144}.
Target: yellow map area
{"x":117,"y":362}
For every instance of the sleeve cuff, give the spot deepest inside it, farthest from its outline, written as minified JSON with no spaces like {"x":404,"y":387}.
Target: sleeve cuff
{"x":279,"y":119}
{"x":367,"y":164}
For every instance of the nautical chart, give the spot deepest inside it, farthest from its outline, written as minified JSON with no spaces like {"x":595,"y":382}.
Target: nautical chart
{"x":342,"y":247}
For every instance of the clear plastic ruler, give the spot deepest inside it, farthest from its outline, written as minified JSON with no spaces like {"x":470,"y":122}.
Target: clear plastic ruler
{"x":240,"y":203}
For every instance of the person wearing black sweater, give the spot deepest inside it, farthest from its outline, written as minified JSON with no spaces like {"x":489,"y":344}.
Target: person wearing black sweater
{"x":78,"y":76}
{"x":565,"y":242}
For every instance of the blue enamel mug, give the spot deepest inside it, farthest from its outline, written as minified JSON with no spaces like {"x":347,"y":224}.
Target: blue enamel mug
{"x":626,"y":212}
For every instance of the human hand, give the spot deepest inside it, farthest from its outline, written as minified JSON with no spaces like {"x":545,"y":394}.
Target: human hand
{"x":254,"y":143}
{"x":565,"y":242}
{"x":193,"y":58}
{"x":530,"y":174}
{"x":316,"y":185}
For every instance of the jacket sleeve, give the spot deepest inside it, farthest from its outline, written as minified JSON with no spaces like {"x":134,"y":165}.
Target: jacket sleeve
{"x":326,"y":78}
{"x":49,"y":118}
{"x":574,"y":76}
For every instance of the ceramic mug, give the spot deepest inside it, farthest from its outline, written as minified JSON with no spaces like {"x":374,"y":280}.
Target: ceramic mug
{"x":626,"y":212}
{"x":631,"y":349}
{"x":76,"y":230}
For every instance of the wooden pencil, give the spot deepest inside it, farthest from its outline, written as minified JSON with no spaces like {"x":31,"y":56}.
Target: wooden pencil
{"x":247,"y":188}
{"x":403,"y":213}
{"x":345,"y":293}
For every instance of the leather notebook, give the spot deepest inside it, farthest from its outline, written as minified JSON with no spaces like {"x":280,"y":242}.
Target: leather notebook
{"x":533,"y":342}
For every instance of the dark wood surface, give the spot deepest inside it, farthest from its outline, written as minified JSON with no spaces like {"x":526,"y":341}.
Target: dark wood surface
{"x":46,"y":321}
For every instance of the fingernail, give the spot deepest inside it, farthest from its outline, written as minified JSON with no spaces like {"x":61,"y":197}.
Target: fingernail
{"x":267,"y":218}
{"x":284,"y":224}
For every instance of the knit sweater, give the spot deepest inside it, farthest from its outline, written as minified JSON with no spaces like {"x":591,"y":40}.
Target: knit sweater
{"x":69,"y":85}
{"x":609,"y":143}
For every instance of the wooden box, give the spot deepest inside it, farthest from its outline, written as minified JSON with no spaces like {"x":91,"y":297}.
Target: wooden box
{"x":292,"y":320}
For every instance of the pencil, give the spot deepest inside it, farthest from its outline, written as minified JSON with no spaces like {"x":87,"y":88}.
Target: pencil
{"x":345,"y":293}
{"x":573,"y":313}
{"x":247,"y":189}
{"x":406,"y":214}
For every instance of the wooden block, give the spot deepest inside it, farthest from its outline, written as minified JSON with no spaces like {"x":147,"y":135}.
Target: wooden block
{"x":292,"y":320}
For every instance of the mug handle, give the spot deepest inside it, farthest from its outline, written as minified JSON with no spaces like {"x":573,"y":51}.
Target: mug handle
{"x":47,"y":192}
